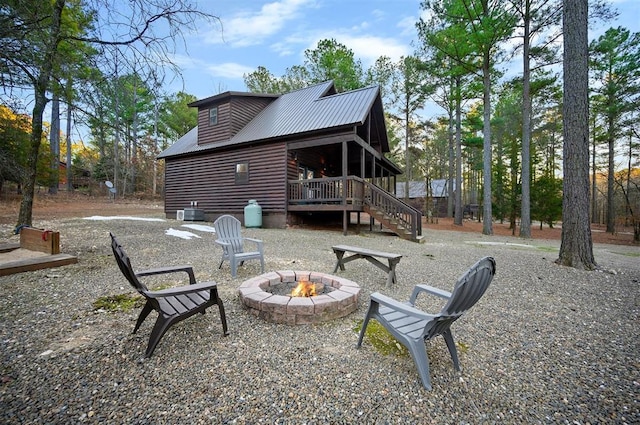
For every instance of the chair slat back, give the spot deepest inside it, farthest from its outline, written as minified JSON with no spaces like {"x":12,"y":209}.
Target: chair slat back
{"x":125,"y":265}
{"x":470,"y":287}
{"x":467,"y":291}
{"x":228,"y":229}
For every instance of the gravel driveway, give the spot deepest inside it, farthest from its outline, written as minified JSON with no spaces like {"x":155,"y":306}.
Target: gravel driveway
{"x":546,"y":344}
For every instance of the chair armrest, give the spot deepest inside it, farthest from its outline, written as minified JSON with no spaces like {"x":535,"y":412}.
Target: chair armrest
{"x":256,"y":241}
{"x":169,"y":269}
{"x":430,"y":290}
{"x":181,"y":290}
{"x":222,"y":243}
{"x":399,"y":306}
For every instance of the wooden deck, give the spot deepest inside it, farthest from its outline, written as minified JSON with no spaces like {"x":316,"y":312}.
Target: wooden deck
{"x":354,"y":194}
{"x":14,"y":259}
{"x":326,"y":194}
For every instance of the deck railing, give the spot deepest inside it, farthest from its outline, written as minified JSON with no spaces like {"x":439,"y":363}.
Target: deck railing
{"x":329,"y":190}
{"x":355,"y":191}
{"x":394,"y":208}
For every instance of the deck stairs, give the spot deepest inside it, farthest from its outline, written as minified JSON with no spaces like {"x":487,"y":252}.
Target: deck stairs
{"x":393,"y":213}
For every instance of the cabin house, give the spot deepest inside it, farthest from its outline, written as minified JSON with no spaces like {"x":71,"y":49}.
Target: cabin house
{"x":311,"y":152}
{"x":432,"y":202}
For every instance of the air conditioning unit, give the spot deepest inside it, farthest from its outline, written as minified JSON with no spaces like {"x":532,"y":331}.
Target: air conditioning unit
{"x":180,"y":215}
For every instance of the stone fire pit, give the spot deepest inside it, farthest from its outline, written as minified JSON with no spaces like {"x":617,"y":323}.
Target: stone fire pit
{"x":339,"y":300}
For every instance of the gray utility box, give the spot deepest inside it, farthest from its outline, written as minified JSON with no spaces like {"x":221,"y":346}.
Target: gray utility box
{"x":193,"y":214}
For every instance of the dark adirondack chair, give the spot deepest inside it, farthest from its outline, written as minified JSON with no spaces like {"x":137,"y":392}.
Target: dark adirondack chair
{"x":412,"y":327}
{"x":230,"y":239}
{"x":173,"y":304}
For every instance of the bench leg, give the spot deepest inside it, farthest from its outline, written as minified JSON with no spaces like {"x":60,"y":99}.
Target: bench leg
{"x":392,"y":273}
{"x":339,"y":263}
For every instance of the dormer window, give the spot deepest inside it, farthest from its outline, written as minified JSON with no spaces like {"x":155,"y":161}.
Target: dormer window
{"x":213,"y":116}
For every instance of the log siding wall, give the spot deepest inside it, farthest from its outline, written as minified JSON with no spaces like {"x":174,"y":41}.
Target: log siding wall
{"x":209,"y":179}
{"x":233,"y":115}
{"x":243,"y":110}
{"x":214,"y":133}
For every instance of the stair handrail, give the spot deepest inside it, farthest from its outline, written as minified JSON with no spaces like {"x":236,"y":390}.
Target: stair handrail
{"x":394,"y":207}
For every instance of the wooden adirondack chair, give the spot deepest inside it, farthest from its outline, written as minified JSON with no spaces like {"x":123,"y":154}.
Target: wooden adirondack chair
{"x":173,"y":304}
{"x":229,"y":237}
{"x":412,"y":327}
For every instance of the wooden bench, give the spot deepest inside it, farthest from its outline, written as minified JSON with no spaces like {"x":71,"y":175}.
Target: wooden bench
{"x":369,"y":255}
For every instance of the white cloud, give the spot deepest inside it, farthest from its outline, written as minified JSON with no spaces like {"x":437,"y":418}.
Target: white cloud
{"x":408,"y":26}
{"x":222,"y":70}
{"x":185,"y":61}
{"x":253,"y":27}
{"x":368,"y":48}
{"x":282,"y":48}
{"x":228,"y":70}
{"x":377,"y":13}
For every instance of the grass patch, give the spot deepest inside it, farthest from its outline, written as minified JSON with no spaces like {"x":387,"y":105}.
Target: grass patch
{"x":547,"y":248}
{"x":382,"y":340}
{"x":122,"y":302}
{"x":627,"y":254}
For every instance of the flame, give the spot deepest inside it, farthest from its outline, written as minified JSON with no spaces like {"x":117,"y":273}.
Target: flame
{"x":304,"y":289}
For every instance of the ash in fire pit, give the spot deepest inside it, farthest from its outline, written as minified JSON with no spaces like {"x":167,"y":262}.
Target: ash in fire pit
{"x":296,"y":297}
{"x":296,"y":290}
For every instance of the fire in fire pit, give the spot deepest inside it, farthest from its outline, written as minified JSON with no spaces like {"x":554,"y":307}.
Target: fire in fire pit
{"x":305,"y":289}
{"x":296,"y":297}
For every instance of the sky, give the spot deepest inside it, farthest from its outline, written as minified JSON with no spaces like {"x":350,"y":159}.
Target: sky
{"x":275,"y":34}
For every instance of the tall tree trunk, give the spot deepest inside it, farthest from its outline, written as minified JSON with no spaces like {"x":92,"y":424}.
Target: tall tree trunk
{"x":611,"y":207}
{"x":452,"y":161}
{"x":54,"y":146}
{"x":576,"y":248}
{"x":69,"y":156}
{"x":458,"y":189}
{"x":594,"y":193}
{"x":525,"y":207}
{"x":116,"y":139}
{"x":487,"y":218}
{"x":407,"y":156}
{"x":41,"y":85}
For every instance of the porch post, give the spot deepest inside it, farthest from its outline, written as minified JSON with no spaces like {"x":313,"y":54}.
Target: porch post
{"x":344,"y":187}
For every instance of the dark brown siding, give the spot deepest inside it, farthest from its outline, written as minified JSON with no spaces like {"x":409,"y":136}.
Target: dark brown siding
{"x":216,"y":133}
{"x":209,"y":179}
{"x":233,"y":115}
{"x":244,"y":110}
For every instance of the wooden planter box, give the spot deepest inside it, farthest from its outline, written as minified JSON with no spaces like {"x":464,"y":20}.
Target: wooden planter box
{"x":40,"y":240}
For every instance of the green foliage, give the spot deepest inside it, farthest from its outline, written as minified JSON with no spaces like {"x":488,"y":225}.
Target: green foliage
{"x":382,"y":340}
{"x":615,"y":64}
{"x":121,"y":302}
{"x":14,"y":142}
{"x":262,"y":81}
{"x":330,"y":60}
{"x":176,"y":118}
{"x":546,"y":200}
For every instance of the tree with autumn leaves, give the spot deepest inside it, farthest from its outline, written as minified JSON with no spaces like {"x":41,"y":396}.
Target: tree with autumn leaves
{"x":39,"y":40}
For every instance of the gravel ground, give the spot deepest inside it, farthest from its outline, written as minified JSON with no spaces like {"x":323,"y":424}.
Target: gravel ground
{"x":546,"y":344}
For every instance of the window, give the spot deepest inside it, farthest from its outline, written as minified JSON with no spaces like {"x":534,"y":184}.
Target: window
{"x":213,"y":116}
{"x":305,"y":173}
{"x":242,"y":173}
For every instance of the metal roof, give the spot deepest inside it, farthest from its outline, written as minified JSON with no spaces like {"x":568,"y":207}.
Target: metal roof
{"x":226,"y":95}
{"x":310,"y":109}
{"x":307,"y":110}
{"x":186,"y":144}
